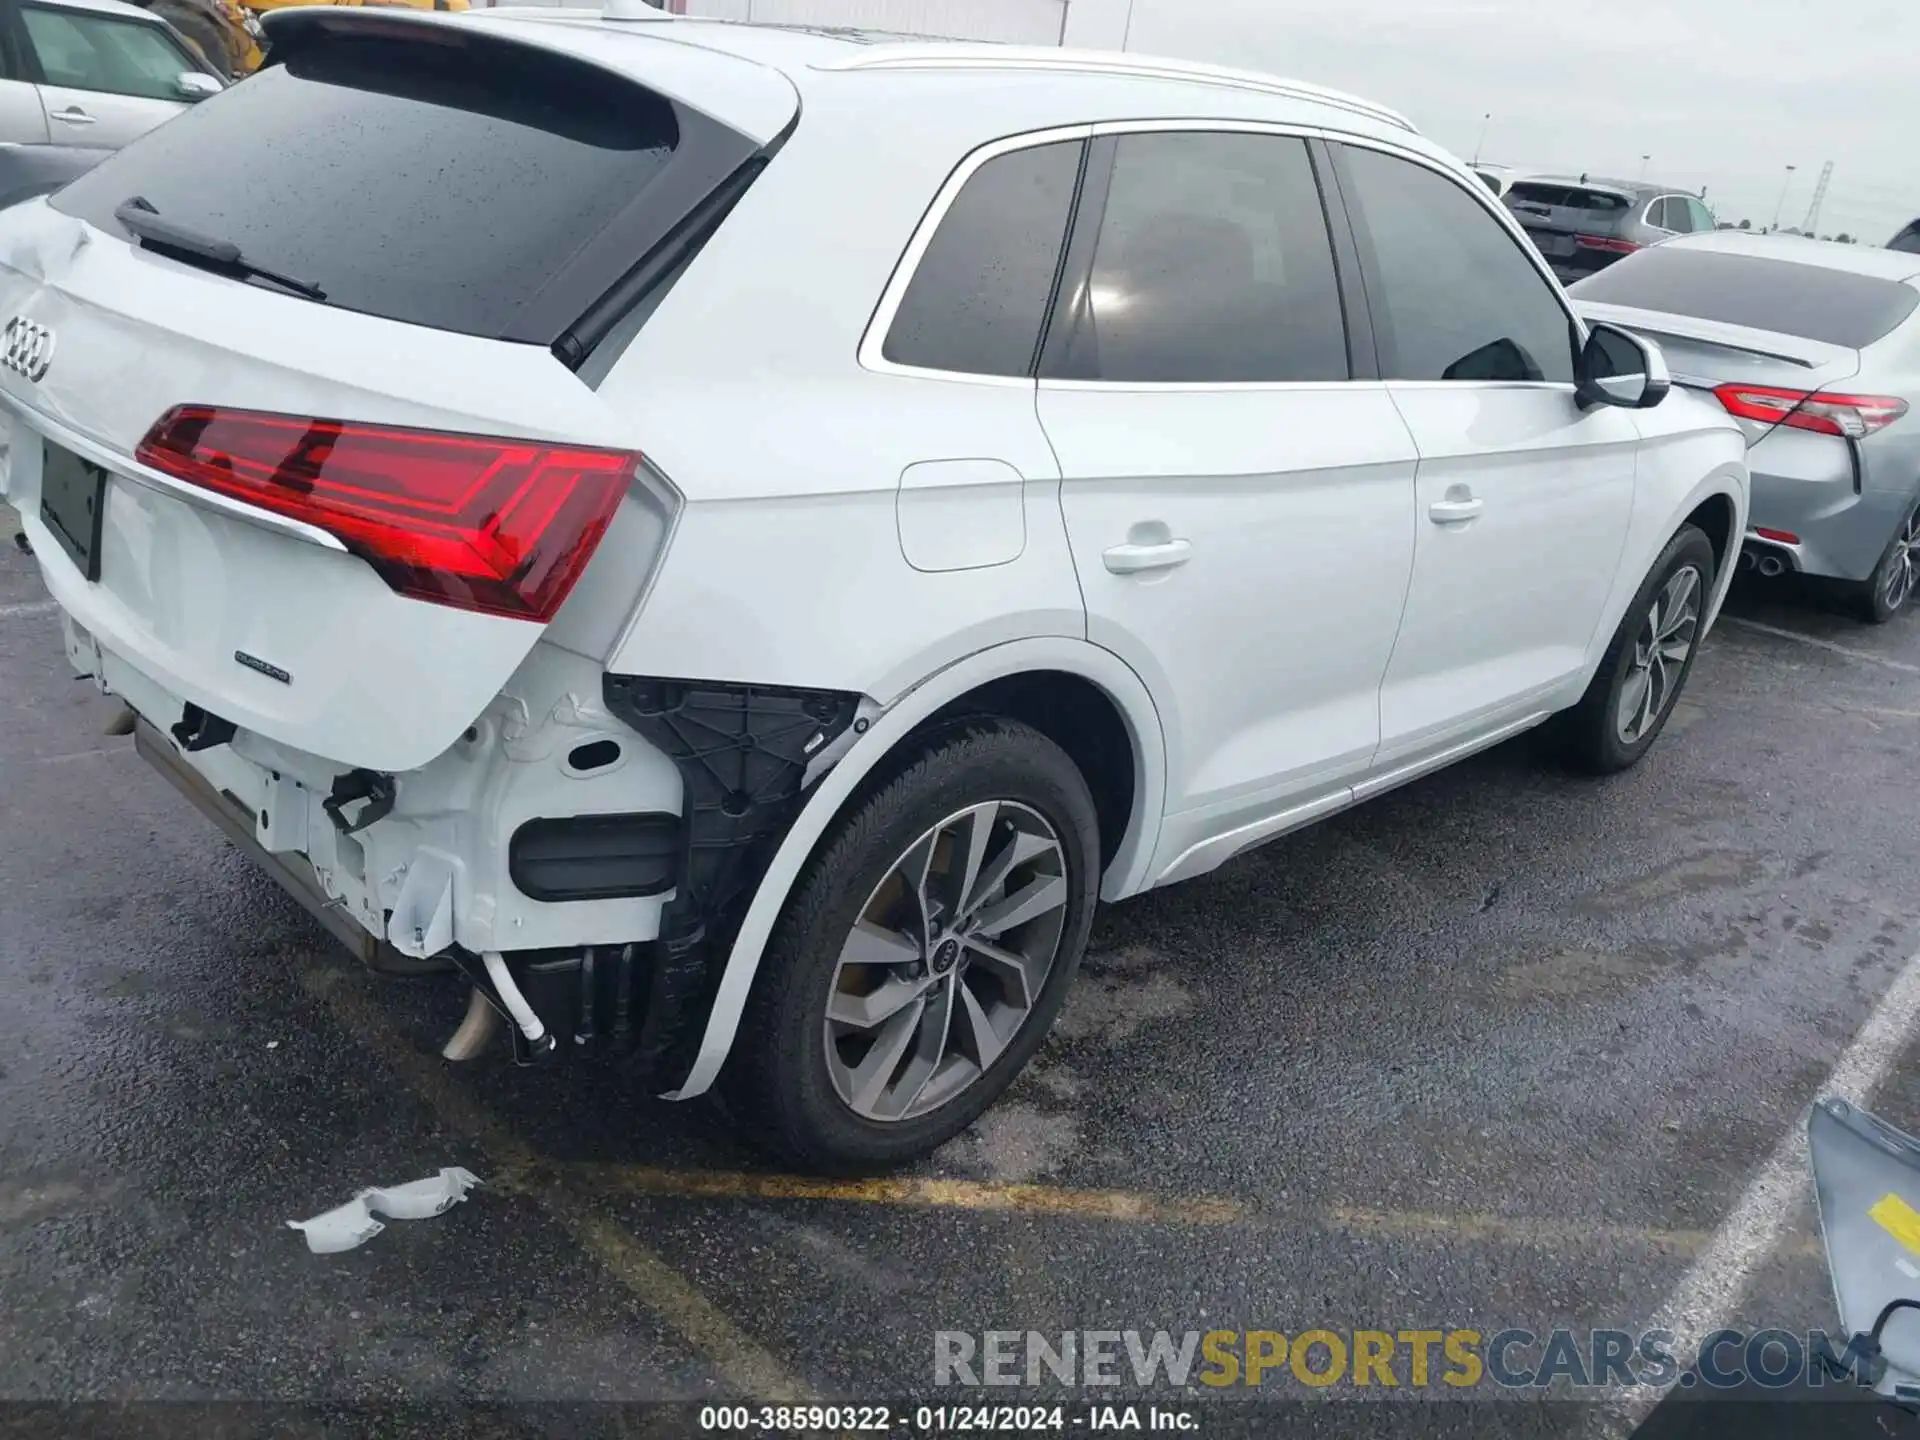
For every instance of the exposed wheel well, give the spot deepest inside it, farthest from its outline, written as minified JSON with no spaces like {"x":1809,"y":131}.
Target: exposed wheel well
{"x":1714,"y":517}
{"x":1081,"y":719}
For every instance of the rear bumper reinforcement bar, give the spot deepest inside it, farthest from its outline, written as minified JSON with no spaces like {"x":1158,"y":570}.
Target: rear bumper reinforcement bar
{"x":294,"y":874}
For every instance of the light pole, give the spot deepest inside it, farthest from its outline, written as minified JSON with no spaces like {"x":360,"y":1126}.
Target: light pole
{"x":1781,"y":204}
{"x":1480,"y":144}
{"x":1643,"y":165}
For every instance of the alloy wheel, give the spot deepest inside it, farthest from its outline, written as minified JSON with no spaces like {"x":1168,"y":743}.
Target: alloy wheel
{"x":1902,"y":565}
{"x":1660,"y":653}
{"x":946,"y":961}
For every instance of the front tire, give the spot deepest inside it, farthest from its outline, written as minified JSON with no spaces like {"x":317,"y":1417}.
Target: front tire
{"x":1647,"y":664}
{"x":923,"y":954}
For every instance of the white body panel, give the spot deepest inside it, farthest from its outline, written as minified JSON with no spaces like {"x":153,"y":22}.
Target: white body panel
{"x":903,"y":537}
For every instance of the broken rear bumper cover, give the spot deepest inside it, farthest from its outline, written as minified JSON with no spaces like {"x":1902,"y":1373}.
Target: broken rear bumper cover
{"x":584,"y":852}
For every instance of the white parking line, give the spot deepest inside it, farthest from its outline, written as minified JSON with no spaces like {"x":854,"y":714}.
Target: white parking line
{"x":1818,"y":644}
{"x":32,"y":607}
{"x":1702,"y":1302}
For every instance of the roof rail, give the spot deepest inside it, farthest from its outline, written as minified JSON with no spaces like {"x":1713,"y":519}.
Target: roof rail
{"x":1089,"y":62}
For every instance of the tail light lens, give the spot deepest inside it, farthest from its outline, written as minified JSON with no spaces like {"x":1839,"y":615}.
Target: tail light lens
{"x":482,"y":523}
{"x":1605,"y":242}
{"x":1822,"y":411}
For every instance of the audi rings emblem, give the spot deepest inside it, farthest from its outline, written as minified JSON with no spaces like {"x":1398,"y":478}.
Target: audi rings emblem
{"x":26,"y":347}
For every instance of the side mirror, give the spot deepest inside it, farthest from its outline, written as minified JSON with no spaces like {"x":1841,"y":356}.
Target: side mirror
{"x":193,"y":85}
{"x":1620,"y":368}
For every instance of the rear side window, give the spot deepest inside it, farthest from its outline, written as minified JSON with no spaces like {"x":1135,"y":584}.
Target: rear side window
{"x":1835,"y":307}
{"x":440,"y":181}
{"x":1212,"y":266}
{"x":1452,"y":294}
{"x":978,"y":298}
{"x":1908,"y":240}
{"x":99,"y":52}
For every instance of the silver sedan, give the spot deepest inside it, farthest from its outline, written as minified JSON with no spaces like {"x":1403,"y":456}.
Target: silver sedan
{"x":1815,"y":348}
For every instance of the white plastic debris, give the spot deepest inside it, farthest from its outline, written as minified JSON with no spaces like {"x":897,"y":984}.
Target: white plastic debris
{"x":348,"y":1226}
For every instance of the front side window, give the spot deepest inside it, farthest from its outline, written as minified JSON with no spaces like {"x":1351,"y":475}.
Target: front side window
{"x":1452,"y":294}
{"x":1679,"y":218}
{"x":978,"y":299}
{"x":98,"y":52}
{"x":1657,"y":215}
{"x":1701,"y":217}
{"x":1212,"y":266}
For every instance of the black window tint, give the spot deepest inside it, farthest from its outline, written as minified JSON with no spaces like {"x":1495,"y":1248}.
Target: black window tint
{"x":1679,"y":218}
{"x":1908,"y":240}
{"x":979,"y":297}
{"x":1657,"y":215}
{"x":441,"y":182}
{"x":1212,"y":266}
{"x":1452,"y":294}
{"x":1836,"y":307}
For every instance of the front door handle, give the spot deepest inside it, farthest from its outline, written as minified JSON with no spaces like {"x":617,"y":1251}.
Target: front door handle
{"x":1459,"y":507}
{"x":73,"y":115}
{"x":1133,"y":559}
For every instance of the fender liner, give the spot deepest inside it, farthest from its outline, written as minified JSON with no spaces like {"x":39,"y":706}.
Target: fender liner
{"x":742,"y":752}
{"x":1127,"y":874}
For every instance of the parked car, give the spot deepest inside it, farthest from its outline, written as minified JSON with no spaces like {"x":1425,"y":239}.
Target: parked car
{"x":1583,"y":225}
{"x":30,"y":170}
{"x":1907,"y":240}
{"x":1497,"y":178}
{"x":93,"y":73}
{"x":1815,"y":348}
{"x":770,"y":654}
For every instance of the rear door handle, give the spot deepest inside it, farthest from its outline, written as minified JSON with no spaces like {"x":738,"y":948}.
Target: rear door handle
{"x":73,"y":115}
{"x":1454,"y":510}
{"x":1133,"y":559}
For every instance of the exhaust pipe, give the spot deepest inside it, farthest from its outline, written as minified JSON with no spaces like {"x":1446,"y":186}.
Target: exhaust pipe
{"x":476,"y":1031}
{"x":1771,"y":566}
{"x":1748,"y":560}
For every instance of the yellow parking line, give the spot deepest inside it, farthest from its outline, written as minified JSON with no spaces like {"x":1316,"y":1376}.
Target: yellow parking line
{"x":919,"y":1193}
{"x":1529,"y":1231}
{"x":743,"y":1364}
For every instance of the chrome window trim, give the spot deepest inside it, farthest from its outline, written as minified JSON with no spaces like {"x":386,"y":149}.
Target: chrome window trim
{"x":873,"y":340}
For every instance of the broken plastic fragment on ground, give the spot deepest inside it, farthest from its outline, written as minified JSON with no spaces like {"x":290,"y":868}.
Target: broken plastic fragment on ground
{"x":345,"y":1227}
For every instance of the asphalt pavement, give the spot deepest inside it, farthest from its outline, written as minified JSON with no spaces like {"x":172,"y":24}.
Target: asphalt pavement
{"x":1506,"y":1048}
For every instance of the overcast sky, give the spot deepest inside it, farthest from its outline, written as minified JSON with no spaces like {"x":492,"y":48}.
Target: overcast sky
{"x":1720,"y":93}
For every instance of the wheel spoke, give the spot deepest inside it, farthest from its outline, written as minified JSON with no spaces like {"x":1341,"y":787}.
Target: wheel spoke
{"x":863,"y":1012}
{"x":1009,"y":967}
{"x":1656,"y":682}
{"x":985,"y":1042}
{"x":871,"y":944}
{"x":914,"y":868}
{"x":929,"y":1049}
{"x":977,"y":826}
{"x":1018,"y":851}
{"x":1677,"y":604}
{"x":1048,"y":892}
{"x":1633,"y":698}
{"x":869,"y":1082}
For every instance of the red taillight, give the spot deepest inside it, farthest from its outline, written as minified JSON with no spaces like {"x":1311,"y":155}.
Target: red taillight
{"x":1606,"y":243}
{"x":477,"y":522}
{"x":1821,"y":411}
{"x":1785,"y":537}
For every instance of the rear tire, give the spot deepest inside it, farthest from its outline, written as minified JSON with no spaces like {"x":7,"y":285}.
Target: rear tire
{"x":1645,"y":669}
{"x":821,"y":1089}
{"x":1890,"y":589}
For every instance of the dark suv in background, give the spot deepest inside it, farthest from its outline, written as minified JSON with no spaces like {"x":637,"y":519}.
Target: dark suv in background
{"x":1582,"y":225}
{"x":1908,"y":240}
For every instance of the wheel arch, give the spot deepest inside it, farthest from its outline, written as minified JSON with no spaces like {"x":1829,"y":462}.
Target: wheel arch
{"x":1040,"y":678}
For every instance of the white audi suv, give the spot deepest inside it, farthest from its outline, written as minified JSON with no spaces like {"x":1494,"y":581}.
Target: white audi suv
{"x":736,"y":538}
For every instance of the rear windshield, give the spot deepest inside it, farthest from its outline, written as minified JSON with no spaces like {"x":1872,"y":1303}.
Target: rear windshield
{"x":1834,"y":307}
{"x":1571,"y":197}
{"x":440,"y":181}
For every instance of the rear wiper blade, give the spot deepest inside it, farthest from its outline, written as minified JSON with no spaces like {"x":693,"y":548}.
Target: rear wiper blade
{"x":138,"y":215}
